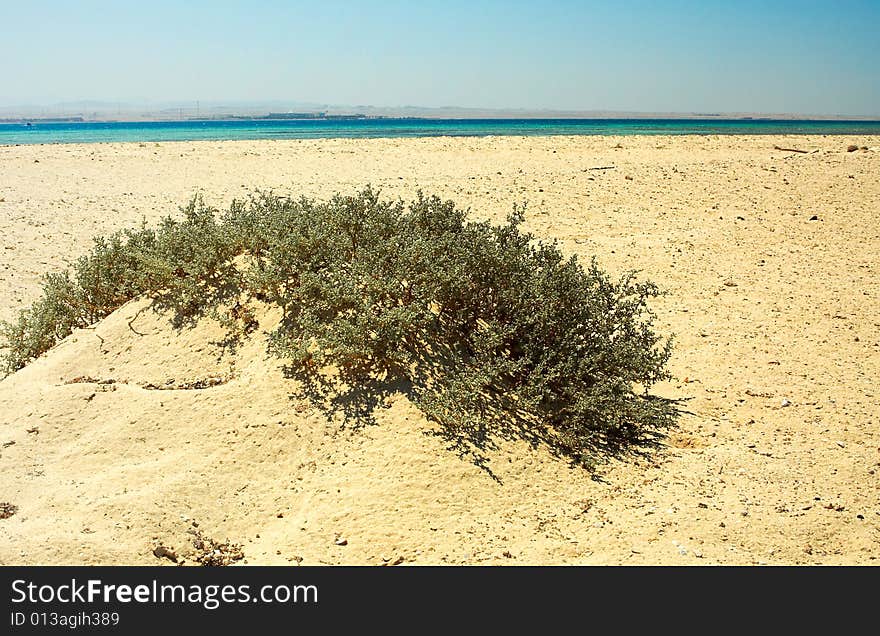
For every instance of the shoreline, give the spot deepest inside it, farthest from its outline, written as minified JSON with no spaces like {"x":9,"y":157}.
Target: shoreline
{"x":872,"y":139}
{"x":49,"y":133}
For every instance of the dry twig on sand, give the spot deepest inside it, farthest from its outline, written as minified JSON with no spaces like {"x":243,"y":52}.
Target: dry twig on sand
{"x":803,"y":152}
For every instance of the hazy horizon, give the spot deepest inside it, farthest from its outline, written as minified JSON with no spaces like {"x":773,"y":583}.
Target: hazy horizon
{"x":95,"y":110}
{"x":796,"y":58}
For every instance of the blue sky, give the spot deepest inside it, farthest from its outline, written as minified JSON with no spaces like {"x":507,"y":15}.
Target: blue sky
{"x":665,"y":56}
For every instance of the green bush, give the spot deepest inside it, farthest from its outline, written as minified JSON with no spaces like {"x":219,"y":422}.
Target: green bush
{"x":110,"y":275}
{"x":490,"y":332}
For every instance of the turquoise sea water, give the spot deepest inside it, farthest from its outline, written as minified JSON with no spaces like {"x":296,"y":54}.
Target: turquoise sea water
{"x":91,"y":132}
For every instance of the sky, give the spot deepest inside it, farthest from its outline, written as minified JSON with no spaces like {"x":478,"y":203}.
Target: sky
{"x":800,"y":57}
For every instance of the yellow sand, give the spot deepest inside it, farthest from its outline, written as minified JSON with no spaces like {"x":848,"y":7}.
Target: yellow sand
{"x":776,"y":319}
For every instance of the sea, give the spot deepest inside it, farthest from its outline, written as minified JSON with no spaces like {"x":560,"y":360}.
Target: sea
{"x":40,"y":132}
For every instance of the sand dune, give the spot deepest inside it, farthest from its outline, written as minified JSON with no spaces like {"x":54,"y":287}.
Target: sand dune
{"x":109,"y":451}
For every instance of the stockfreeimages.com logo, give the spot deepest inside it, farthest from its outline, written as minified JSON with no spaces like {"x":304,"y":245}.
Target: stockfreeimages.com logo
{"x":208,"y":596}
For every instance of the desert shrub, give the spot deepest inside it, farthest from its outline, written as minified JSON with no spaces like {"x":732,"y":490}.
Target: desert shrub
{"x":48,"y":320}
{"x":113,"y":273}
{"x":191,"y":266}
{"x":491,"y":332}
{"x":103,"y":280}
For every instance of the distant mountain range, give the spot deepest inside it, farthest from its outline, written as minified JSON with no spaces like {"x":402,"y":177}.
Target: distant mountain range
{"x":90,"y":110}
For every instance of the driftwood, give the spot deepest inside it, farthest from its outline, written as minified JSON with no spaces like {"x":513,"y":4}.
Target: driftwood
{"x":803,"y":152}
{"x":603,"y":168}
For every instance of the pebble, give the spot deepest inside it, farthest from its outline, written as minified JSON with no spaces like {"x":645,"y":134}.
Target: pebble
{"x":161,"y":551}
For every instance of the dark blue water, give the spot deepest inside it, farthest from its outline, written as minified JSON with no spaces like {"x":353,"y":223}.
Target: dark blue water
{"x":91,"y":132}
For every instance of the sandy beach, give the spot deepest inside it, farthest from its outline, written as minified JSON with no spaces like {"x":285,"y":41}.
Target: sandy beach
{"x":769,"y":260}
